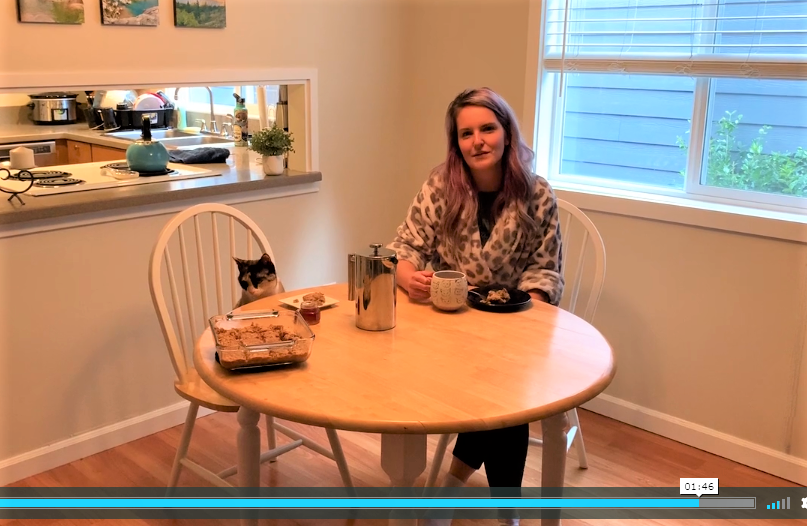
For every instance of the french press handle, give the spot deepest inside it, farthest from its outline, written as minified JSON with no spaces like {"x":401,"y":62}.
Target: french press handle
{"x":351,"y":277}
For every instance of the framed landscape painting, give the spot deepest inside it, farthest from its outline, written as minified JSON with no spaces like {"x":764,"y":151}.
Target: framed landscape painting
{"x":130,"y":12}
{"x":51,"y":11}
{"x":200,"y":13}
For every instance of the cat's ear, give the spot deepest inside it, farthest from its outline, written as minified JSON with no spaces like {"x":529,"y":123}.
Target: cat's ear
{"x":265,"y":258}
{"x":240,"y":262}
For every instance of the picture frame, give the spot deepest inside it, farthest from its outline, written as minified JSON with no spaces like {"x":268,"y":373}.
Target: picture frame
{"x":130,"y":12}
{"x":208,"y":14}
{"x":70,"y":12}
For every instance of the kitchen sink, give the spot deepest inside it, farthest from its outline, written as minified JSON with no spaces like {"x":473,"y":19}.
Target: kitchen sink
{"x":195,"y":140}
{"x":133,"y":135}
{"x":175,"y":138}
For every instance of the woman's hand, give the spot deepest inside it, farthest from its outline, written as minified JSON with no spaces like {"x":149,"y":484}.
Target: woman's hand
{"x":419,"y":286}
{"x":416,"y":283}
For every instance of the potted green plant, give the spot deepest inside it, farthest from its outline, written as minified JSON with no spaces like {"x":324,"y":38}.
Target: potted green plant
{"x":272,"y":143}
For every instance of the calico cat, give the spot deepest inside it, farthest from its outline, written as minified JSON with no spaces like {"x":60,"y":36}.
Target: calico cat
{"x":258,"y":278}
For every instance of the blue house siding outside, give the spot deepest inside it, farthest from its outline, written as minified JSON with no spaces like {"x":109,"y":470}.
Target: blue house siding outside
{"x":625,"y":127}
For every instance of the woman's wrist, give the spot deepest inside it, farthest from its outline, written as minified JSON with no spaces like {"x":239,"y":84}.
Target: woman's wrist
{"x":407,"y":283}
{"x":404,"y":274}
{"x":539,"y":295}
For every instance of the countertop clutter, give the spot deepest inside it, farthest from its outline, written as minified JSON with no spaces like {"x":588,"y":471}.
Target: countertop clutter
{"x":78,"y":132}
{"x":241,"y":172}
{"x":21,"y":133}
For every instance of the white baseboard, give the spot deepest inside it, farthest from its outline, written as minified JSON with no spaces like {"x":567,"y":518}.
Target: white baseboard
{"x":90,"y":443}
{"x":753,"y":455}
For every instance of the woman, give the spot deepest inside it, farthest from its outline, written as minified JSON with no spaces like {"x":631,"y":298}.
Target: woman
{"x":484,"y":213}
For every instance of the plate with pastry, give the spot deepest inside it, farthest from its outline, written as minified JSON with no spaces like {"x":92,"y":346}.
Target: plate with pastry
{"x":321,"y":299}
{"x":496,"y":298}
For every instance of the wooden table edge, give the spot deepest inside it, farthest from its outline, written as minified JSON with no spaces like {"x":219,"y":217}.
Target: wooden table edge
{"x":414,"y":427}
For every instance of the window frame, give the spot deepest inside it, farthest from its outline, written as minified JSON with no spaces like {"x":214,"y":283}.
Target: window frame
{"x":546,"y":112}
{"x":222,"y":110}
{"x":701,"y":116}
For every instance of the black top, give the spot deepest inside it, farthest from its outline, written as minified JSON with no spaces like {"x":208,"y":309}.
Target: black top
{"x":484,"y":214}
{"x":54,"y":95}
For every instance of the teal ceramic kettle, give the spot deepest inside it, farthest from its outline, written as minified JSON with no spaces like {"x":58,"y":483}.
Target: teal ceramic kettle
{"x":146,"y":155}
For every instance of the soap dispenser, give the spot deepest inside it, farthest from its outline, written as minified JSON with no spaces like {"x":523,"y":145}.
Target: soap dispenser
{"x":146,"y":155}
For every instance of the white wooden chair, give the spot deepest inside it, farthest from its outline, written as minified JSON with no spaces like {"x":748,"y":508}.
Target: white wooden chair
{"x":588,"y":259}
{"x":196,"y":253}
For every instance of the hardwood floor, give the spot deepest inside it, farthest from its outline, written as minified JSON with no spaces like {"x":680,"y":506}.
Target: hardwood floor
{"x":619,"y":456}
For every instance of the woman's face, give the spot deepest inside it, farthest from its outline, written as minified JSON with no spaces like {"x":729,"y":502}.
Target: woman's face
{"x":481,"y":138}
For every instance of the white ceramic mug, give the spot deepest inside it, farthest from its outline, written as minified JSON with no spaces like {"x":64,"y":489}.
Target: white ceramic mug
{"x":449,"y":289}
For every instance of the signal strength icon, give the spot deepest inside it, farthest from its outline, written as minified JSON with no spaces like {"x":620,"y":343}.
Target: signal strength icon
{"x":783,"y":504}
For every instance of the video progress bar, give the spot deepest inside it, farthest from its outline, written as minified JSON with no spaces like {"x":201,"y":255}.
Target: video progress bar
{"x":376,"y":503}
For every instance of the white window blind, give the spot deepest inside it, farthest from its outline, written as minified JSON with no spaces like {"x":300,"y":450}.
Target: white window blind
{"x":727,"y":38}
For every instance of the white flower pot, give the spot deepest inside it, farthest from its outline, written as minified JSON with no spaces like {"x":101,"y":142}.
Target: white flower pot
{"x":273,"y":164}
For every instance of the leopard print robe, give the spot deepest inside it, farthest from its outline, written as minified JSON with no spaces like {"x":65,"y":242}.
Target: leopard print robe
{"x":507,"y":258}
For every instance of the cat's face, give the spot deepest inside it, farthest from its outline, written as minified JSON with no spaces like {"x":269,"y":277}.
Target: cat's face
{"x":257,"y":277}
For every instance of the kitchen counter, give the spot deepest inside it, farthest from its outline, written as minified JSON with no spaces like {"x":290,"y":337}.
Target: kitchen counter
{"x":74,"y":132}
{"x":241,"y":173}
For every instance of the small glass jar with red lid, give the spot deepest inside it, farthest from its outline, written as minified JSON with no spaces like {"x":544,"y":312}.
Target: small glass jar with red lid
{"x":310,"y":312}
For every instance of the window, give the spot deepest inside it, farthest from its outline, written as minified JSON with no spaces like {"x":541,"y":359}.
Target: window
{"x":624,"y":128}
{"x":222,"y":95}
{"x":706,"y":98}
{"x":198,"y":99}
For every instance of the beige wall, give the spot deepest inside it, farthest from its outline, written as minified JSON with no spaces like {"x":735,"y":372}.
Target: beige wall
{"x":451,"y":46}
{"x":707,"y":325}
{"x":356,"y":47}
{"x":346,"y":41}
{"x":79,"y":340}
{"x":13,"y":99}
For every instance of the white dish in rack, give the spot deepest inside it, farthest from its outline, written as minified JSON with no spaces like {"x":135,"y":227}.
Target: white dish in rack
{"x":295,"y":301}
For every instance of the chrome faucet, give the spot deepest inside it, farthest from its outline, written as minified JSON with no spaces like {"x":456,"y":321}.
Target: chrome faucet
{"x":213,"y":126}
{"x":227,"y":126}
{"x":175,"y":115}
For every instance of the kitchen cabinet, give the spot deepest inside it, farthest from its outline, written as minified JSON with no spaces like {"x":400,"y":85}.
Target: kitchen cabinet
{"x":61,"y":153}
{"x":79,"y":152}
{"x":76,"y":152}
{"x":105,"y":153}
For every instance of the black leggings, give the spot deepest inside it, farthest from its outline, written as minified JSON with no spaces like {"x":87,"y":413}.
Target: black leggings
{"x":502,"y":451}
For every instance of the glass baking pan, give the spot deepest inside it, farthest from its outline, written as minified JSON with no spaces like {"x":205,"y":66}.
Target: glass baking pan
{"x":261,"y":338}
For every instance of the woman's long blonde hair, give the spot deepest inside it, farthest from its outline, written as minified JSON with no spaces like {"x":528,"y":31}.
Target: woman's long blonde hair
{"x":518,"y":181}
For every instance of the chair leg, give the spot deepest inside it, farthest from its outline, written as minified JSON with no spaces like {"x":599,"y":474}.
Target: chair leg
{"x":437,"y":460}
{"x":270,"y":434}
{"x":184,"y":442}
{"x":580,"y":445}
{"x":339,"y":457}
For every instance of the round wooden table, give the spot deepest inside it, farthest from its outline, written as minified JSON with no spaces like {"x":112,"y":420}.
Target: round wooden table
{"x":435,"y":372}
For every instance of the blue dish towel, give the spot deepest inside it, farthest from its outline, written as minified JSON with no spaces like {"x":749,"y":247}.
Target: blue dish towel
{"x":202,"y":155}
